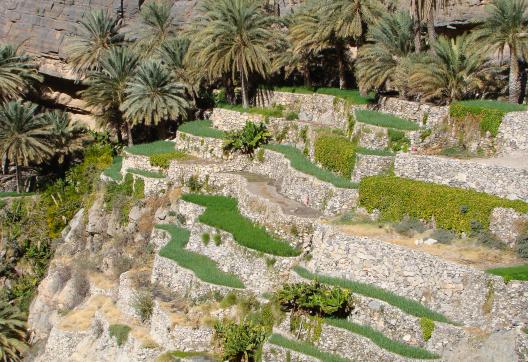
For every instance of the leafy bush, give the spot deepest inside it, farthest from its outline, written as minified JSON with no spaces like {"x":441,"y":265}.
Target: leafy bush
{"x":335,"y":153}
{"x":410,"y":226}
{"x":428,"y":327}
{"x":122,"y":196}
{"x":12,"y":333}
{"x":163,"y":159}
{"x":443,"y":236}
{"x":452,"y":208}
{"x":247,"y":140}
{"x":219,"y":96}
{"x":239,"y":342}
{"x":120,"y":333}
{"x":487,"y":113}
{"x":522,"y":245}
{"x":143,"y":305}
{"x":315,"y":299}
{"x":206,"y":238}
{"x":398,"y":141}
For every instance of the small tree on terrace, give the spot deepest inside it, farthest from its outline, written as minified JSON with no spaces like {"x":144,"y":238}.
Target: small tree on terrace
{"x":233,"y":37}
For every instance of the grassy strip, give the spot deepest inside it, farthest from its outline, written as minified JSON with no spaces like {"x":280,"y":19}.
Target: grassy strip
{"x":15,"y":194}
{"x":304,"y":348}
{"x":201,"y":128}
{"x":149,"y":149}
{"x":518,"y":272}
{"x":492,"y":104}
{"x":145,"y":173}
{"x":372,"y":152}
{"x":222,"y":213}
{"x":203,"y":267}
{"x":114,"y":171}
{"x":385,"y":120}
{"x":381,"y":340}
{"x":301,"y":163}
{"x":352,"y":96}
{"x":276,"y":111}
{"x":408,"y":306}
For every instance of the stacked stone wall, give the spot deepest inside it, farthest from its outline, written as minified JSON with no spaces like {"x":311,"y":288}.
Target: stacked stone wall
{"x":513,"y":133}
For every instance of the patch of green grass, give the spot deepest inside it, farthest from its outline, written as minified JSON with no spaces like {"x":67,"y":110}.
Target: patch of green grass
{"x":222,"y":213}
{"x":119,"y":332}
{"x":518,"y":272}
{"x":202,"y":128}
{"x":298,"y":90}
{"x":145,"y":173}
{"x":15,"y":194}
{"x":149,"y":149}
{"x":368,"y":151}
{"x":407,"y":305}
{"x":305,"y":348}
{"x":381,"y":340}
{"x":350,"y":95}
{"x":203,"y":267}
{"x":163,"y":160}
{"x":492,"y":104}
{"x":114,"y":171}
{"x":182,"y":354}
{"x":301,"y":163}
{"x":385,"y":120}
{"x":275,"y":111}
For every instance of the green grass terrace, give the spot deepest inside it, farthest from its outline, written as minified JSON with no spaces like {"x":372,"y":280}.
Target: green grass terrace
{"x":222,"y":213}
{"x":385,"y":120}
{"x":203,"y":267}
{"x":150,"y":149}
{"x":352,"y":96}
{"x":518,"y":272}
{"x":201,"y":128}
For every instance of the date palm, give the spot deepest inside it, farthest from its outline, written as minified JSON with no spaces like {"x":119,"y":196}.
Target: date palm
{"x":156,"y":27}
{"x":25,"y":137}
{"x":507,"y":27}
{"x":234,"y":37}
{"x":453,"y":72}
{"x":105,"y":90}
{"x":64,"y":132}
{"x":12,"y":333}
{"x":18,"y":72}
{"x":152,"y":97}
{"x":96,"y":33}
{"x":386,"y":57}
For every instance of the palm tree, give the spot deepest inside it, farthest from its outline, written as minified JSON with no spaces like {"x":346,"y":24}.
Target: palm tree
{"x":507,"y":26}
{"x":453,"y":72}
{"x":233,"y":37}
{"x":12,"y":333}
{"x":97,"y":33}
{"x":156,"y":27}
{"x":343,"y":22}
{"x":106,"y":88}
{"x":64,"y":132}
{"x":152,"y":96}
{"x":17,"y":73}
{"x":24,"y":136}
{"x":385,"y":58}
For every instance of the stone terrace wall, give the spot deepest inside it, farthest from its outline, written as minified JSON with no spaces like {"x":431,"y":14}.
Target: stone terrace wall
{"x":513,"y":133}
{"x":414,"y":111}
{"x":228,"y":120}
{"x":370,"y":165}
{"x":459,"y":292}
{"x":502,"y":181}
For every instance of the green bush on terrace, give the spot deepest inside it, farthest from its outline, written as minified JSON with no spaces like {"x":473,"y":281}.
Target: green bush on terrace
{"x":203,"y":267}
{"x":202,"y":128}
{"x":120,"y":332}
{"x":301,"y":163}
{"x":305,"y":348}
{"x":336,"y":153}
{"x":518,"y":272}
{"x":407,"y":305}
{"x":149,"y":149}
{"x":222,"y":213}
{"x":452,"y":208}
{"x":164,"y":159}
{"x":487,"y":113}
{"x":385,"y":120}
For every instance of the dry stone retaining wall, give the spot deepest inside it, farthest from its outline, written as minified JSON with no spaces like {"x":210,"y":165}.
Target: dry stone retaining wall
{"x":370,"y":165}
{"x":228,"y":120}
{"x":510,"y":183}
{"x":414,"y":111}
{"x":513,"y":133}
{"x":507,"y":224}
{"x":461,"y":293}
{"x":202,"y":147}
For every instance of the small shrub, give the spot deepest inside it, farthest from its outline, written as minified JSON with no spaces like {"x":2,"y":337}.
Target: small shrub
{"x":336,"y":153}
{"x":315,"y":299}
{"x":194,"y":184}
{"x":120,"y":333}
{"x":163,"y":160}
{"x":239,"y":342}
{"x":410,"y":226}
{"x":261,"y":155}
{"x":443,"y":236}
{"x":229,"y":300}
{"x":247,"y":140}
{"x":217,"y":238}
{"x":522,"y":245}
{"x":292,"y":116}
{"x":206,"y":238}
{"x":398,"y":141}
{"x":143,"y":305}
{"x":428,"y":327}
{"x":270,"y":262}
{"x":219,"y":96}
{"x":425,"y":133}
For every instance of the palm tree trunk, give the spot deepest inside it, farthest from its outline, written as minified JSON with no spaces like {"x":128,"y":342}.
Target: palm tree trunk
{"x":307,"y":77}
{"x":417,"y":27}
{"x":342,"y":65}
{"x":17,"y":176}
{"x":515,"y":77}
{"x":245,"y":101}
{"x":129,"y":134}
{"x":118,"y":134}
{"x":431,"y":32}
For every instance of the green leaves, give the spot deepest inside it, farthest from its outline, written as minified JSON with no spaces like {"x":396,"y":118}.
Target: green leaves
{"x":17,"y":72}
{"x":247,"y":140}
{"x":240,"y":342}
{"x":336,"y":153}
{"x":12,"y":333}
